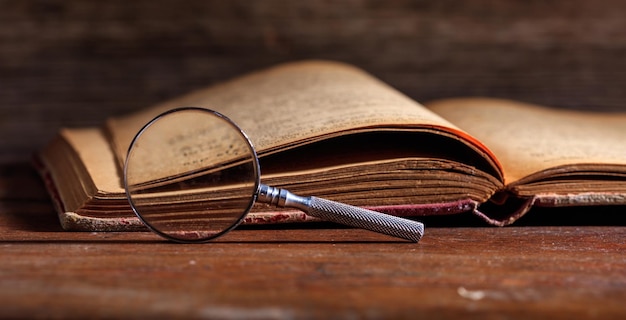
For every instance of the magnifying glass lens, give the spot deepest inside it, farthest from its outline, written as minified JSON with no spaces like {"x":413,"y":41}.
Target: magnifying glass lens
{"x":191,"y":175}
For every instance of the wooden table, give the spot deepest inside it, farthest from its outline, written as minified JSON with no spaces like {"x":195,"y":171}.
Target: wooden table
{"x":75,"y":63}
{"x":313,"y":271}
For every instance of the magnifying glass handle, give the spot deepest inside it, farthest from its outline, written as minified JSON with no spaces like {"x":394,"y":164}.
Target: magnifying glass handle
{"x":342,"y":213}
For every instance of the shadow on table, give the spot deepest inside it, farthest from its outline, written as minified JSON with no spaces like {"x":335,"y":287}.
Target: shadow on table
{"x":24,"y":202}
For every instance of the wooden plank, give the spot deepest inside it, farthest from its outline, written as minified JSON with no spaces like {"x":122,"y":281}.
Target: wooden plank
{"x":73,"y":63}
{"x":319,"y":271}
{"x":514,"y":272}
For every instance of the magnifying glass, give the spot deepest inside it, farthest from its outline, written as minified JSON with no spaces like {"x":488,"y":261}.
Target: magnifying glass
{"x":191,"y":175}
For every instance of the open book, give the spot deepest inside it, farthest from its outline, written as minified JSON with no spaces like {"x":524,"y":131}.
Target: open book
{"x":331,"y":130}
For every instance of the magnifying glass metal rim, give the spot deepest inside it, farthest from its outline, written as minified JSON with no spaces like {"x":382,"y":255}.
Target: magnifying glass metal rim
{"x":255,"y":163}
{"x":317,"y":207}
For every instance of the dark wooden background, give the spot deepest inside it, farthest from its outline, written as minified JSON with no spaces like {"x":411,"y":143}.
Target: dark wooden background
{"x":74,"y":63}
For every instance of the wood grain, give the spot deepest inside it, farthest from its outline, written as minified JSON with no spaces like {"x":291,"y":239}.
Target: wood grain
{"x":317,"y":271}
{"x":550,"y":272}
{"x":73,"y":63}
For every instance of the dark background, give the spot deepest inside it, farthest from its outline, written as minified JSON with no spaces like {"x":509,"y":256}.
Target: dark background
{"x":74,"y":63}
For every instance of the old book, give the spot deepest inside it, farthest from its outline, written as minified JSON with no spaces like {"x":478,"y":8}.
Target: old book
{"x":332,"y":130}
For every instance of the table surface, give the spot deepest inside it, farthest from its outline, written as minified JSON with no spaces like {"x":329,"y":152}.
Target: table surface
{"x":316,"y":270}
{"x":75,"y":63}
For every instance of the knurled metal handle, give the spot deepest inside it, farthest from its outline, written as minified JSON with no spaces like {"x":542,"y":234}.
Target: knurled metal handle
{"x":365,"y":219}
{"x":343,"y":213}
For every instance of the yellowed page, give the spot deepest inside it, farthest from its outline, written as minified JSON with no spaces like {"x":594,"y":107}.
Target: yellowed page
{"x":294,"y":102}
{"x":528,"y":139}
{"x":96,"y":155}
